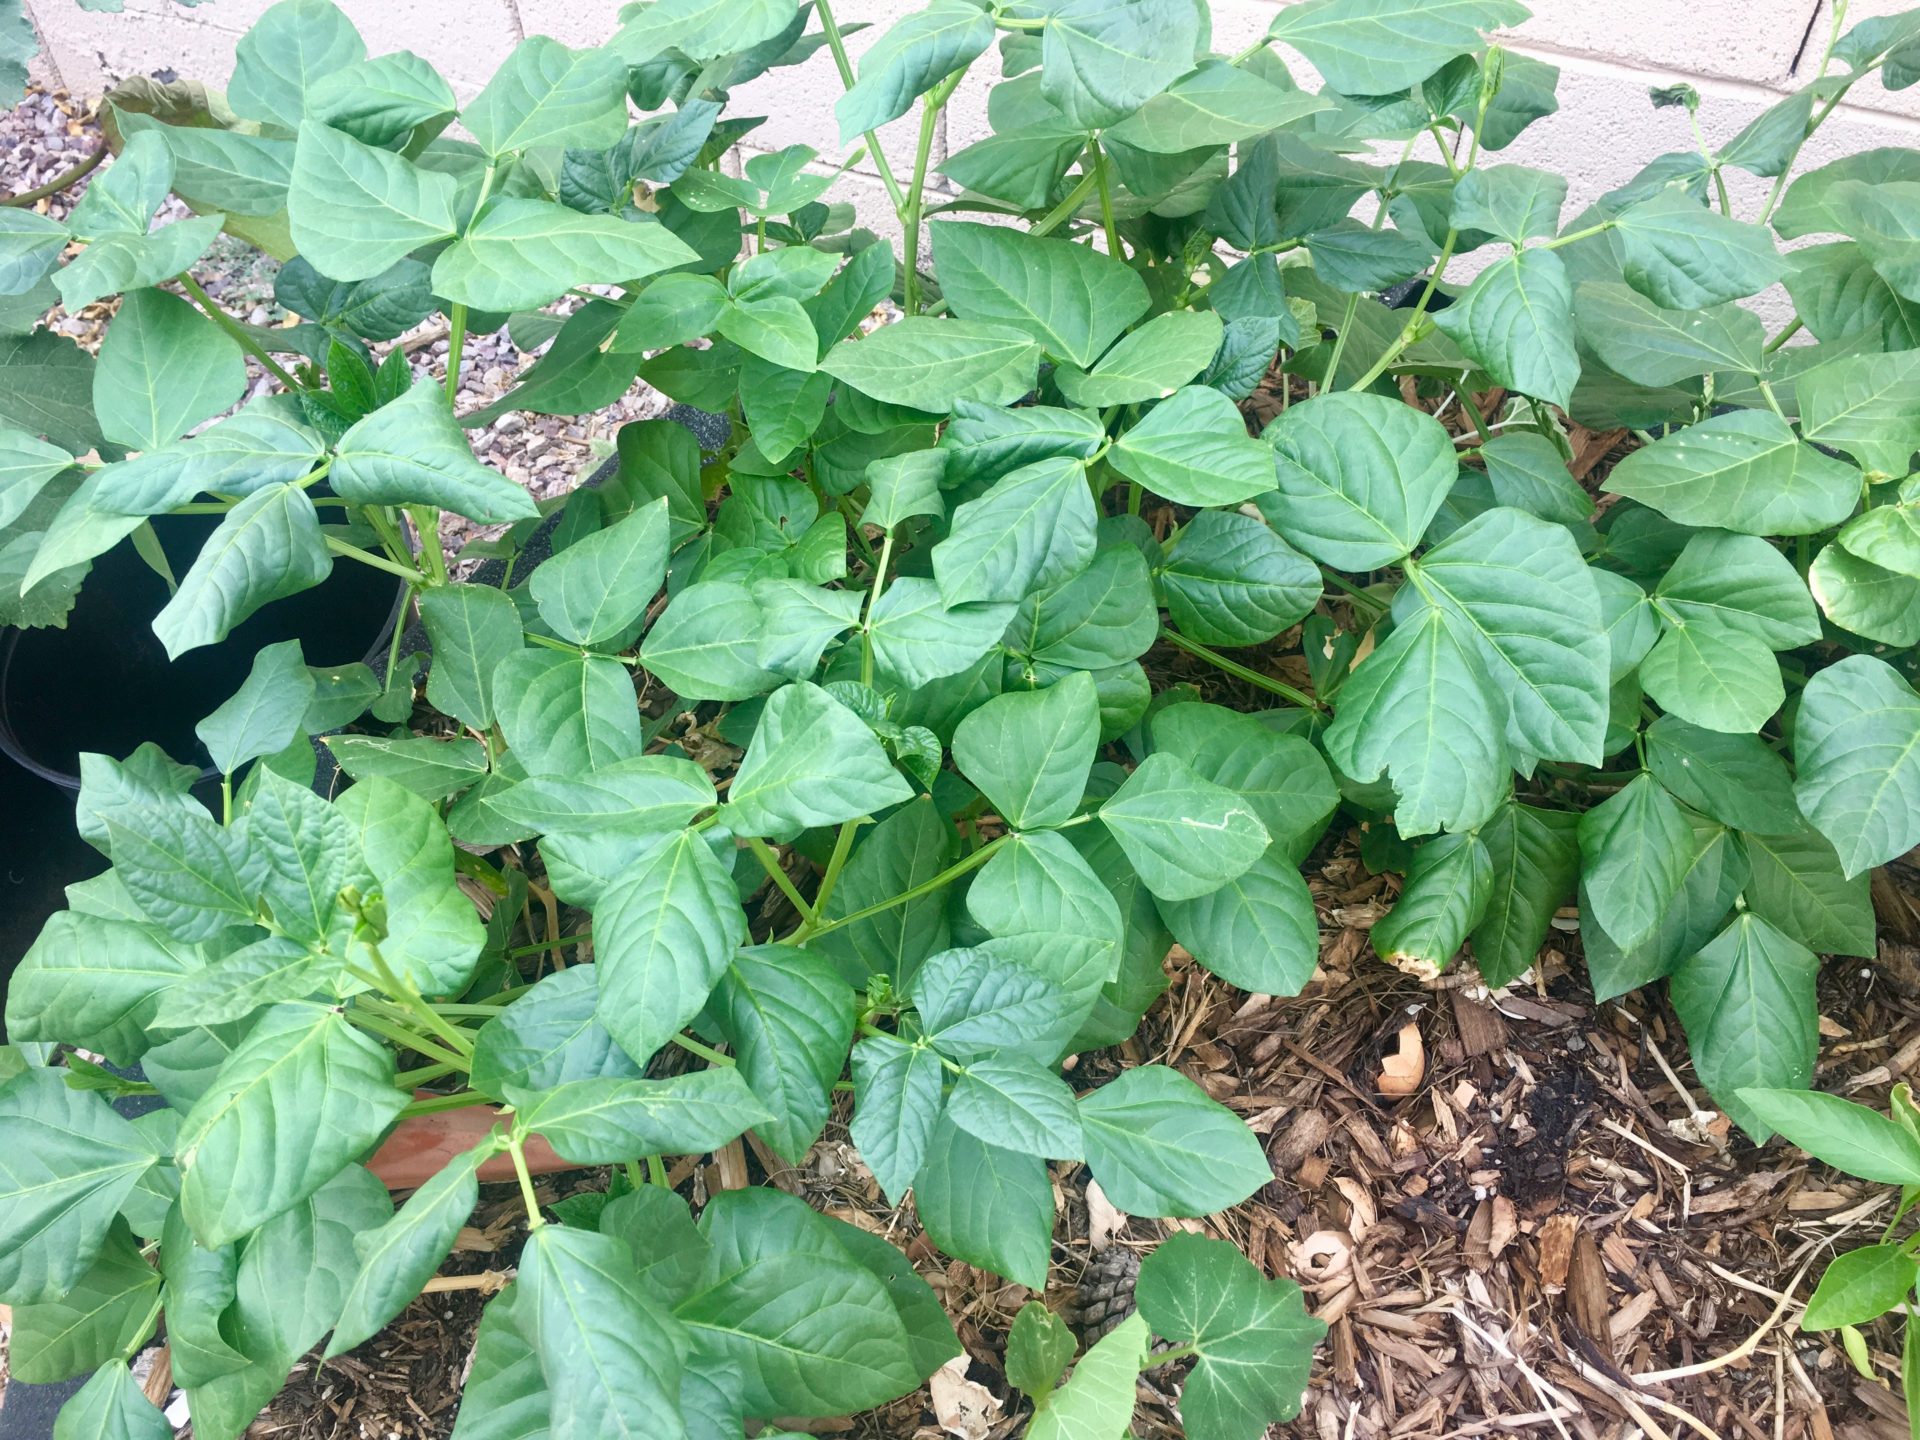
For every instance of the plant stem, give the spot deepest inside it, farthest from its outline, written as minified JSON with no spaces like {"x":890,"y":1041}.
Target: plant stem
{"x":408,"y":997}
{"x":1586,"y":234}
{"x":770,"y":862}
{"x":233,"y":327}
{"x":426,"y":524}
{"x":926,"y":887}
{"x":656,"y":1172}
{"x":1068,"y":207}
{"x":1104,"y":183}
{"x":435,"y":1104}
{"x":1784,"y":336}
{"x":705,"y":1052}
{"x":1242,"y":672}
{"x":456,"y":342}
{"x":400,"y":1035}
{"x":930,"y":110}
{"x":378,"y":562}
{"x":837,"y":43}
{"x":873,"y":597}
{"x":1340,"y":582}
{"x":534,"y":1218}
{"x":1414,"y":318}
{"x":61,"y":181}
{"x":842,"y":847}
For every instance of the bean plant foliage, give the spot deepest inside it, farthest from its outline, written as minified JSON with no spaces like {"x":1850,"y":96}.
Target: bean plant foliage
{"x":840,"y":732}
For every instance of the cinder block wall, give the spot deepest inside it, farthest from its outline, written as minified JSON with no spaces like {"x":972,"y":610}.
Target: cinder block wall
{"x":1741,"y":54}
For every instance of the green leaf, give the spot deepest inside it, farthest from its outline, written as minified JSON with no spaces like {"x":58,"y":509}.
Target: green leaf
{"x":777,"y":329}
{"x":1074,"y":301}
{"x":898,"y":1101}
{"x":1102,"y":617}
{"x":1535,"y":857}
{"x":918,"y":51}
{"x":546,"y":94}
{"x":987,"y":1206}
{"x":1281,"y":777}
{"x":357,"y":211}
{"x":289,"y":49}
{"x":164,"y":367}
{"x":1159,"y":1146}
{"x":1860,"y":596}
{"x":302,"y":1097}
{"x":1652,"y":346}
{"x":1097,"y":1401}
{"x":1257,"y":931}
{"x":189,"y":875}
{"x":1039,"y":1348}
{"x":1866,"y":405}
{"x":1682,"y":255}
{"x":523,"y":253}
{"x":1448,"y":890}
{"x":905,"y":850}
{"x":988,"y":1000}
{"x":705,"y":643}
{"x":1739,"y":582}
{"x":432,"y":769}
{"x":472,"y":629}
{"x":1033,"y":529}
{"x":1030,"y":753}
{"x":604,"y":1121}
{"x":1100,"y":61}
{"x":702,"y":29}
{"x":413,"y":452}
{"x":1752,"y":1019}
{"x":929,"y":364}
{"x":1355,"y":257}
{"x":596,"y":590}
{"x":1419,"y":711}
{"x":1860,"y":1286}
{"x":611,"y":1356}
{"x":433,"y":935}
{"x":1856,"y":745}
{"x":547,"y":1038}
{"x":1517,"y":592}
{"x":1635,"y":847}
{"x":812,"y":762}
{"x":1018,"y":1104}
{"x":402,"y":1255}
{"x":1735,"y":779}
{"x":1229,"y":580}
{"x":812,"y":1333}
{"x":1193,"y":449}
{"x":1715,"y":677}
{"x":70,"y":1164}
{"x":1743,"y":471}
{"x":918,"y":638}
{"x":1846,"y":1135}
{"x":1771,"y":140}
{"x":267,"y":547}
{"x":1217,"y":104}
{"x":1020,"y":166}
{"x":378,"y":101}
{"x":263,"y":716}
{"x":230,"y":989}
{"x":1797,"y":885}
{"x":1359,"y":477}
{"x":1253,"y":1335}
{"x":1376,"y":47}
{"x":305,"y":848}
{"x":1714,"y":878}
{"x":30,"y":246}
{"x":103,"y":1319}
{"x":1516,"y":321}
{"x":1184,"y":835}
{"x":111,"y":1406}
{"x":93,"y":981}
{"x":505,"y":1397}
{"x":265,"y":444}
{"x":788,"y":1014}
{"x":1514,"y":202}
{"x":1874,"y":217}
{"x":664,"y":932}
{"x":1149,"y":363}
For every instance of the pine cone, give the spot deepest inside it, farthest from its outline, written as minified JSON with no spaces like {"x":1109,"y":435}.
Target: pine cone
{"x":1104,"y":1296}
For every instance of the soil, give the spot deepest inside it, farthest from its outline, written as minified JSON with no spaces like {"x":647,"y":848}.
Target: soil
{"x":1542,"y":1230}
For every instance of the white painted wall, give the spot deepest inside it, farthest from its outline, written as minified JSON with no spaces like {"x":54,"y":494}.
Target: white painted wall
{"x":1741,"y":54}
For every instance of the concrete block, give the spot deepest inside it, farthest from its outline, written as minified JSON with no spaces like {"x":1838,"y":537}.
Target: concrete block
{"x":93,"y":49}
{"x":1752,"y":40}
{"x":1869,"y":94}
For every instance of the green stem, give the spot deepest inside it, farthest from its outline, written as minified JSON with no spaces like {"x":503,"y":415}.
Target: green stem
{"x":1104,"y":183}
{"x":705,"y":1052}
{"x":234,"y":328}
{"x":1766,"y":392}
{"x":426,"y":523}
{"x":521,"y":952}
{"x":1414,"y":318}
{"x":61,"y":181}
{"x":534,"y":1219}
{"x":873,"y":598}
{"x":1784,"y":336}
{"x":656,"y":1172}
{"x":400,"y":1035}
{"x":770,"y":862}
{"x":1167,"y":1357}
{"x":1340,"y":340}
{"x":926,"y":887}
{"x":930,"y":110}
{"x":1068,"y":207}
{"x":842,"y":847}
{"x":456,"y":342}
{"x":837,"y":43}
{"x":378,"y":562}
{"x":435,"y":1104}
{"x":636,"y":1177}
{"x":1365,"y":597}
{"x":1236,"y":669}
{"x":408,"y":998}
{"x":1586,"y":234}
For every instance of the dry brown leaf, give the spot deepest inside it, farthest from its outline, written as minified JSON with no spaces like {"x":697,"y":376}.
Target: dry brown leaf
{"x":1105,"y":1220}
{"x":965,"y":1408}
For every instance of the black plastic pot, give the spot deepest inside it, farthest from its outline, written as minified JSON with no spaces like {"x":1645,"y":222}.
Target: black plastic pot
{"x":104,"y":684}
